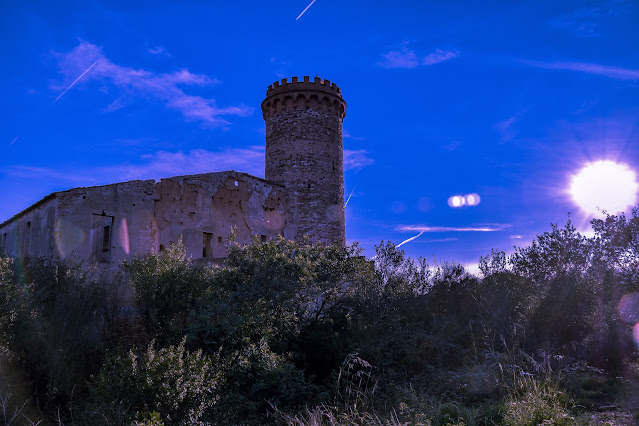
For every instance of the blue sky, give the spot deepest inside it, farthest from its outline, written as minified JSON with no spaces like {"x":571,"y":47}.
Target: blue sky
{"x":507,"y":100}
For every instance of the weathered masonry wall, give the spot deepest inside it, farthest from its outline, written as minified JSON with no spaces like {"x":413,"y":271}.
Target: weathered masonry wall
{"x":203,"y":209}
{"x":107,"y":223}
{"x":30,"y":232}
{"x":116,"y":222}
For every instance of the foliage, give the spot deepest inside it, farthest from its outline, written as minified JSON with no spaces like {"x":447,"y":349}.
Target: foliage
{"x":177,"y":384}
{"x":535,"y":401}
{"x":166,"y":286}
{"x":304,"y":333}
{"x":58,"y":323}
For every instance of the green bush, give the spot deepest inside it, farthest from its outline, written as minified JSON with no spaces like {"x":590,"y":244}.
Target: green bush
{"x":179,"y":385}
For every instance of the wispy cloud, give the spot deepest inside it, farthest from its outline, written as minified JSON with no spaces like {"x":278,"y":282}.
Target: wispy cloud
{"x":407,"y":58}
{"x":597,"y":69}
{"x":164,"y":87}
{"x":404,"y":58}
{"x":505,"y":128}
{"x":158,"y":165}
{"x":356,"y":159}
{"x":586,"y":21}
{"x":452,"y":146}
{"x":493,"y":227}
{"x":346,"y":134}
{"x":46,"y":173}
{"x":159,"y":50}
{"x":439,"y":56}
{"x":163,"y":164}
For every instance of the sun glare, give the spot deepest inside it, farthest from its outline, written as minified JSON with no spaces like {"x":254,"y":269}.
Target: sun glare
{"x":605,"y":185}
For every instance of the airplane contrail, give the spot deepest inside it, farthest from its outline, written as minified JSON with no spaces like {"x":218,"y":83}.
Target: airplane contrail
{"x":76,"y":80}
{"x":403,"y":242}
{"x":304,"y":11}
{"x":409,"y":240}
{"x":14,"y":140}
{"x":349,"y":197}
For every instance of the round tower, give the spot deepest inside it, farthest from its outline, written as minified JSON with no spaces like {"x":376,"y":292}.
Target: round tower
{"x":304,"y":152}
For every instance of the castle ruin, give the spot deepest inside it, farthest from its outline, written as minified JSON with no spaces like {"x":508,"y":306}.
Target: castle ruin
{"x":302,"y":194}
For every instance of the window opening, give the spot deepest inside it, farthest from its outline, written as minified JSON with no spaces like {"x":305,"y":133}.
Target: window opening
{"x":206,"y":244}
{"x":106,"y":238}
{"x":27,"y":238}
{"x":102,"y":237}
{"x":263,"y":238}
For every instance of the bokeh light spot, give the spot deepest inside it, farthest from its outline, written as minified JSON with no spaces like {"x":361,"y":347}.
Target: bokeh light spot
{"x":399,"y":207}
{"x":473,"y":199}
{"x":469,"y":200}
{"x":456,"y":201}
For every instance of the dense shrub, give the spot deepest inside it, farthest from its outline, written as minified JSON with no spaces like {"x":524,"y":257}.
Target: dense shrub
{"x":169,"y":384}
{"x":303,"y":333}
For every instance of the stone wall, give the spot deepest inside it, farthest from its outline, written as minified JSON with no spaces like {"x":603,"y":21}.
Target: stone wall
{"x":30,"y":232}
{"x":304,"y":153}
{"x":204,"y":208}
{"x":116,"y":222}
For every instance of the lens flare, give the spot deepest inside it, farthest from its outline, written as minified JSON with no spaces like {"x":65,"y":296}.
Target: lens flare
{"x":635,"y":334}
{"x":124,"y":236}
{"x":470,"y":200}
{"x":628,"y":308}
{"x":473,"y":199}
{"x":68,"y":237}
{"x":605,"y":185}
{"x":456,"y":201}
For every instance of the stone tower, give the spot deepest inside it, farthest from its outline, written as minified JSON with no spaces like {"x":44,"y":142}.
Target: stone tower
{"x":304,"y":152}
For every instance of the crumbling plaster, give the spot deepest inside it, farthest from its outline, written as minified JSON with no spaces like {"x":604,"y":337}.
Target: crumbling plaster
{"x":146,"y":216}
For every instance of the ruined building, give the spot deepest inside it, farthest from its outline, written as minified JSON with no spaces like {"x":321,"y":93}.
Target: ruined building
{"x":302,"y":194}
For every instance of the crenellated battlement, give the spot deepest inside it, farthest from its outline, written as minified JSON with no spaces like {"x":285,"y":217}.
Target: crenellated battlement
{"x":320,"y":95}
{"x":317,"y":84}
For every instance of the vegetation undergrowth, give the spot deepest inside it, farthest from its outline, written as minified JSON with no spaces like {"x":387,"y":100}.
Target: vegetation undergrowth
{"x":299,"y":333}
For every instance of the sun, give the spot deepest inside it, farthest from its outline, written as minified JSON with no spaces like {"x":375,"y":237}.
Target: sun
{"x":605,"y":186}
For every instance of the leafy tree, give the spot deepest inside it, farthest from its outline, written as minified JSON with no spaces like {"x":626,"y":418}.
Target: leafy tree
{"x":553,"y":255}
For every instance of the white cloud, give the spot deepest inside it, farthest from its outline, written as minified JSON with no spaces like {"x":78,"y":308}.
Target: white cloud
{"x":439,"y":56}
{"x":597,"y":69}
{"x":165,"y":164}
{"x":493,"y":227}
{"x":346,"y":134}
{"x":407,"y":58}
{"x":403,"y":58}
{"x":356,"y":159}
{"x":164,"y":87}
{"x":162,"y":164}
{"x":159,"y":50}
{"x":586,"y":21}
{"x":505,"y":128}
